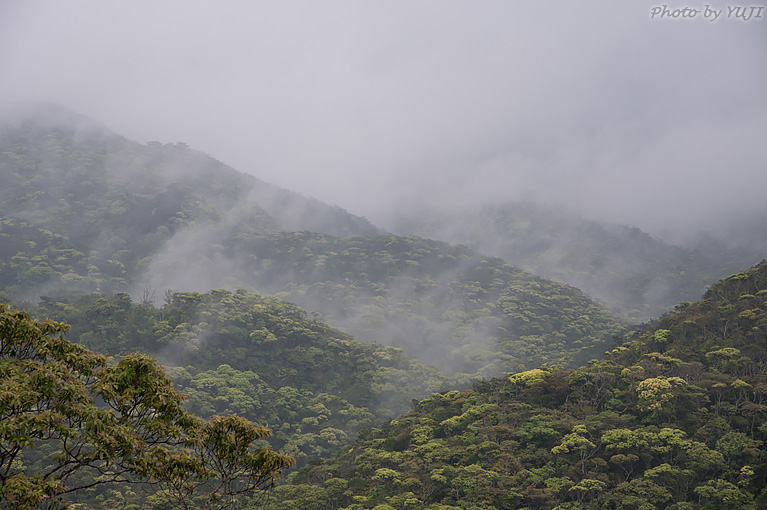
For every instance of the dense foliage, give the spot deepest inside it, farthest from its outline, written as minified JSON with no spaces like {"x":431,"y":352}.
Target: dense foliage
{"x":445,"y":305}
{"x":86,"y":210}
{"x":674,"y":418}
{"x":261,"y":358}
{"x":637,"y":275}
{"x":32,"y":256}
{"x":70,"y":419}
{"x":118,"y":201}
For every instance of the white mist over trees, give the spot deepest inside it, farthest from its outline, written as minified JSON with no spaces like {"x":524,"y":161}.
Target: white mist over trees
{"x":383,"y":105}
{"x":536,"y":137}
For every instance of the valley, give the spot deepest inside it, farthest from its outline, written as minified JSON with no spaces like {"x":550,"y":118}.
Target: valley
{"x":507,"y":356}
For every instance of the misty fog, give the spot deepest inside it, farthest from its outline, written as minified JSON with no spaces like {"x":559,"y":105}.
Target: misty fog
{"x":434,"y":119}
{"x":380,"y":106}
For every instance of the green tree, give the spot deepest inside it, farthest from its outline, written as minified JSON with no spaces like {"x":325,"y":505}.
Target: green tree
{"x":55,"y":438}
{"x":576,"y":443}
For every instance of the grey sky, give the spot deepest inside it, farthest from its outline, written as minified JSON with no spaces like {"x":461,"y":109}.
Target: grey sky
{"x":374,"y":105}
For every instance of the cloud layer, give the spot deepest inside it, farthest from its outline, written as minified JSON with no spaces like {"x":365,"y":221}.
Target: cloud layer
{"x":659,"y":123}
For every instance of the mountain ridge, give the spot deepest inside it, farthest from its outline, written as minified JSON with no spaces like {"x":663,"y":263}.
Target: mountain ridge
{"x":670,"y":416}
{"x":634,"y":273}
{"x":674,"y":418}
{"x":165,"y":217}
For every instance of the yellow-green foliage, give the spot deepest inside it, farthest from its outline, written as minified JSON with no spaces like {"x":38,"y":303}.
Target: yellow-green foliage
{"x":638,"y":429}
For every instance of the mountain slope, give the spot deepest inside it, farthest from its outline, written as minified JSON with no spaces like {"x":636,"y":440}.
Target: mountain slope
{"x":148,"y":218}
{"x":633,"y":273}
{"x":34,"y":257}
{"x":119,"y":201}
{"x":447,"y":306}
{"x":675,"y":418}
{"x":258,"y":357}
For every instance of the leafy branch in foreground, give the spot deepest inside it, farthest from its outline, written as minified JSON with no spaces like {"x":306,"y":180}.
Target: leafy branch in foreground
{"x":70,"y":420}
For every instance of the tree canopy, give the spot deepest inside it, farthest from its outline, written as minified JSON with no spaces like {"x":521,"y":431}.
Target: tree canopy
{"x":93,"y":212}
{"x":674,"y":418}
{"x":71,"y":419}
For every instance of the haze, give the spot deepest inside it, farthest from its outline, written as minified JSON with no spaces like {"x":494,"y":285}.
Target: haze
{"x":376,"y":106}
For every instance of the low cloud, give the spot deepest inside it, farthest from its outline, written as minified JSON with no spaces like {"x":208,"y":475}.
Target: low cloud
{"x":376,"y":106}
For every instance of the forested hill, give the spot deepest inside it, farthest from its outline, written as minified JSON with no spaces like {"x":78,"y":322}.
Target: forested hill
{"x":636,"y":274}
{"x":86,"y":210}
{"x":447,"y":306}
{"x":259,"y":357}
{"x":674,"y":418}
{"x":116,"y":201}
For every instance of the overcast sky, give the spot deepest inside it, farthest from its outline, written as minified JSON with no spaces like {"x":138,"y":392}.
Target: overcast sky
{"x":373,"y":105}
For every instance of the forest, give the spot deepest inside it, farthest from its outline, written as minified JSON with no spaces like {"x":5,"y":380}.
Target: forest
{"x":675,"y":417}
{"x":639,"y":276}
{"x":358,"y":368}
{"x":104,"y":214}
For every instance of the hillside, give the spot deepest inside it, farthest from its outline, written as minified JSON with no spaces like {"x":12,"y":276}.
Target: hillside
{"x":635,"y":274}
{"x":118,"y":201}
{"x":448,"y":306}
{"x":674,"y":418}
{"x":86,"y":210}
{"x":258,"y":357}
